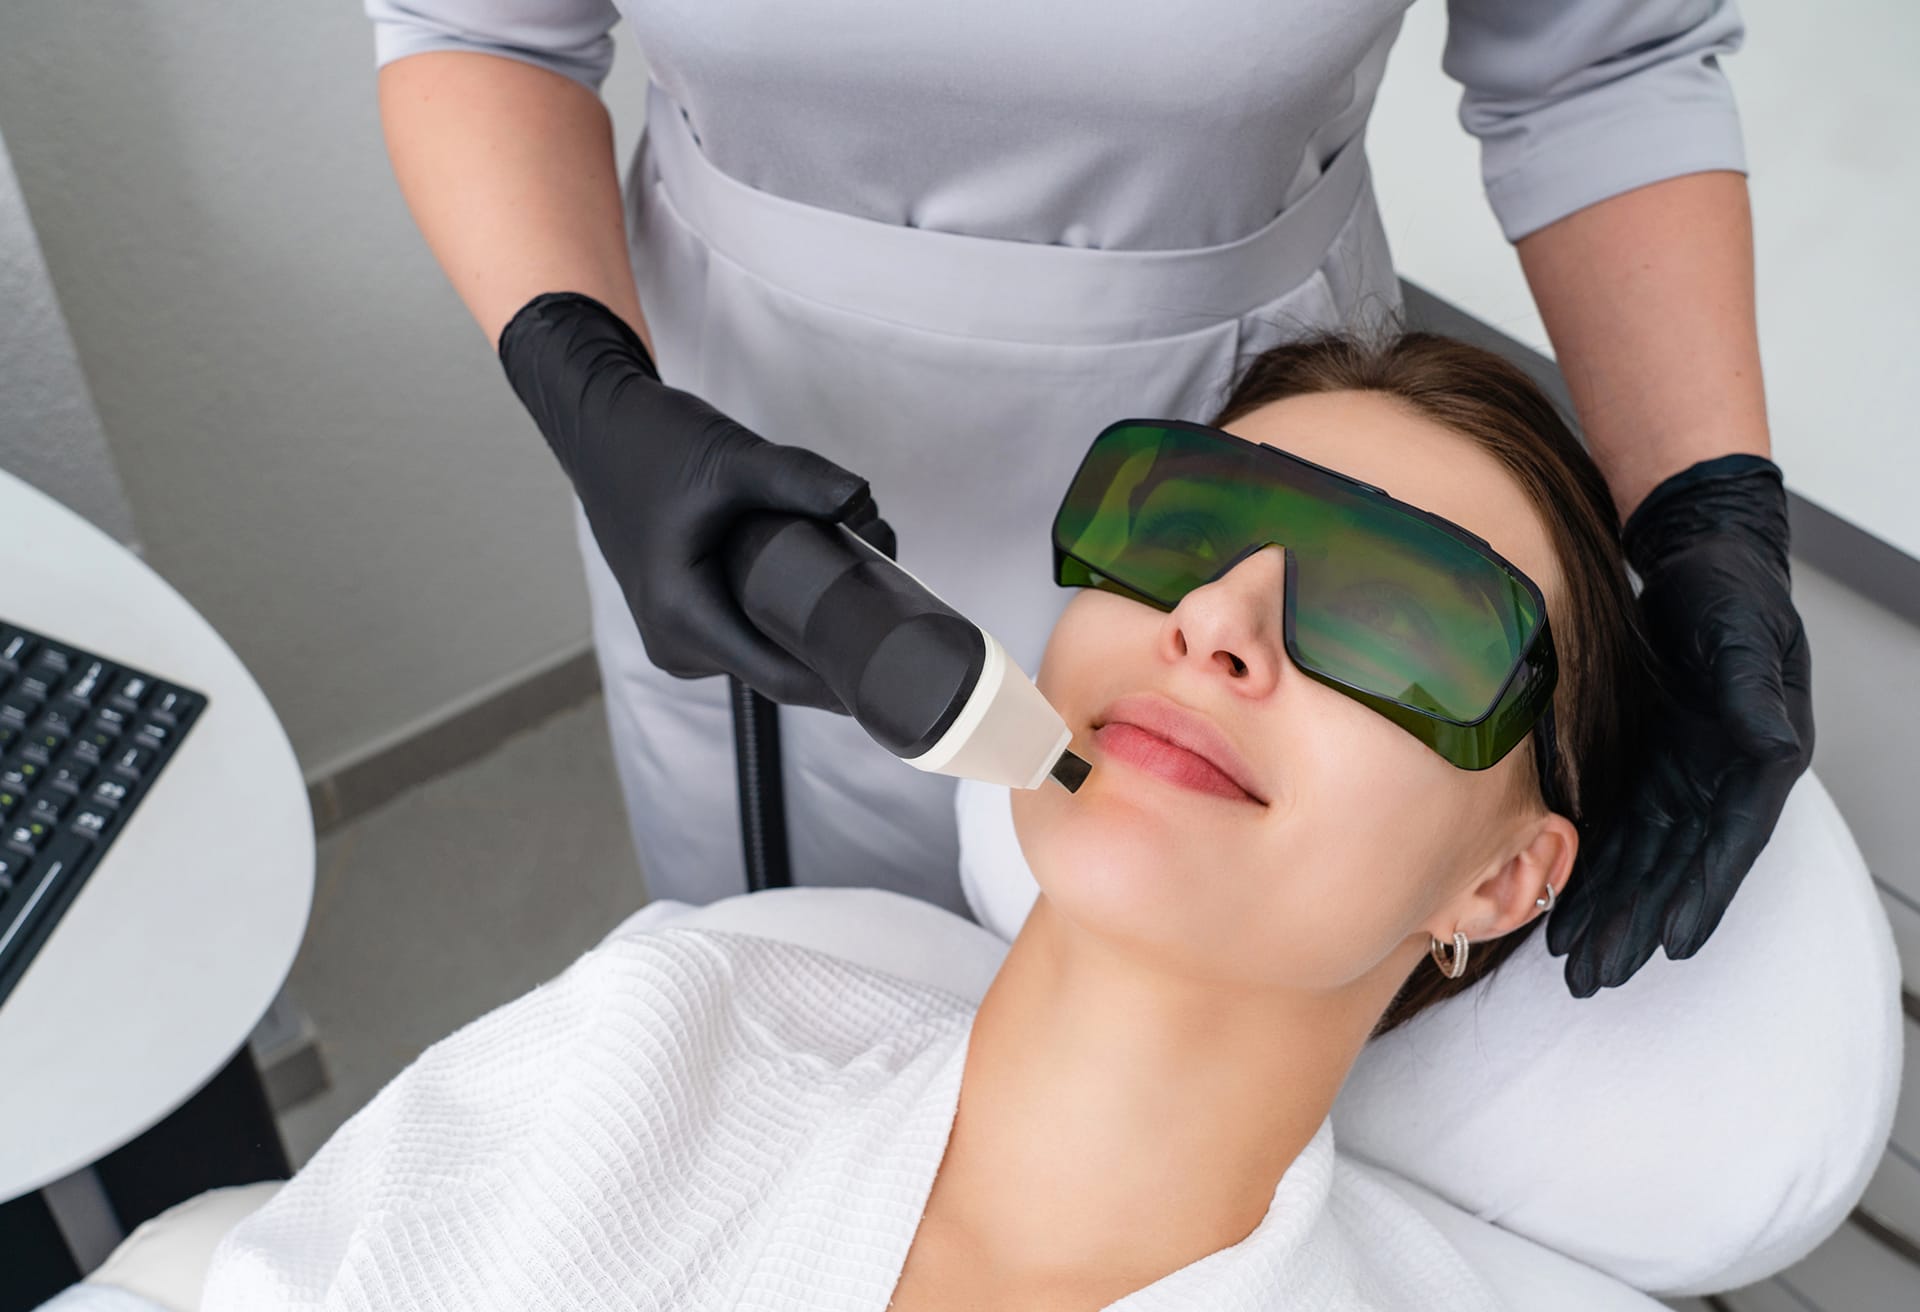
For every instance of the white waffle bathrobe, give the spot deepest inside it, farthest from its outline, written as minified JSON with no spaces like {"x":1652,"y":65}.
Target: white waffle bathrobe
{"x":692,"y":1118}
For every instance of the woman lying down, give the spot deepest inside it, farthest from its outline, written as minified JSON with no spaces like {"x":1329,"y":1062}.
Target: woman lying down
{"x":1136,"y":1115}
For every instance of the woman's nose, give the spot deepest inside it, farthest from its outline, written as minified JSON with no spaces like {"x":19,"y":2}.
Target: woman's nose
{"x":1235,"y":622}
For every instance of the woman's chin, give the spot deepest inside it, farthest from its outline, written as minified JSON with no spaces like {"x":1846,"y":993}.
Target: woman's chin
{"x":1113,"y":852}
{"x":1121,"y":841}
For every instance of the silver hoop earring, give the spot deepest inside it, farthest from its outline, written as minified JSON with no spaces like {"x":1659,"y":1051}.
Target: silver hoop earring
{"x":1545,"y":903}
{"x":1458,"y":966}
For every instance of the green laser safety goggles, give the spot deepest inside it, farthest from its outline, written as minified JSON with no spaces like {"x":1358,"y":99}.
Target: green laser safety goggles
{"x":1405,"y":612}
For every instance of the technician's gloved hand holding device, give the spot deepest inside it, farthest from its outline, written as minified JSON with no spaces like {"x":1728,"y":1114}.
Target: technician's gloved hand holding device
{"x":663,"y":476}
{"x":691,"y":510}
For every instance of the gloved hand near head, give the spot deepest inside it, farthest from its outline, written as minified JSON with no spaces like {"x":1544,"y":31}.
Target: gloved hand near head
{"x":662,"y":475}
{"x":1710,"y":545}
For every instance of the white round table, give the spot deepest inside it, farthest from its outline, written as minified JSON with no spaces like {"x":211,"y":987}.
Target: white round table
{"x":182,"y":935}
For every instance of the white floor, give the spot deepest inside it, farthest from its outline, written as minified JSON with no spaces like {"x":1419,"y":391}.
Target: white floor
{"x":455,"y":898}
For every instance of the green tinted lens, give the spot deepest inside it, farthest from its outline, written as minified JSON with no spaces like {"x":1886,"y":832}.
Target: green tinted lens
{"x":1379,"y":599}
{"x":1399,"y":608}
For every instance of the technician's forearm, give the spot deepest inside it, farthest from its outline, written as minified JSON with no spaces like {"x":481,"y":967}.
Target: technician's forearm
{"x":509,"y":172}
{"x":1648,"y":298}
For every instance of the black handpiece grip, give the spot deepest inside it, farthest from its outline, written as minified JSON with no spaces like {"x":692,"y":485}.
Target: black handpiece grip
{"x":901,"y":660}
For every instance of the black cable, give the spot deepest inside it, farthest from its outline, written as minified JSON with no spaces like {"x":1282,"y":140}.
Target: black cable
{"x":763,"y":806}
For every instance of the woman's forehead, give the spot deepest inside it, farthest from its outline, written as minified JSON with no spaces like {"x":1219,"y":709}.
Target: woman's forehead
{"x":1380,"y":440}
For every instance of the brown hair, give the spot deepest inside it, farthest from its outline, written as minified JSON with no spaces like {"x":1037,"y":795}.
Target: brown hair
{"x":1608,"y":683}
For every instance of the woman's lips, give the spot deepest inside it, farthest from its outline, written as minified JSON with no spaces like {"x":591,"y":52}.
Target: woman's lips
{"x":1157,"y":756}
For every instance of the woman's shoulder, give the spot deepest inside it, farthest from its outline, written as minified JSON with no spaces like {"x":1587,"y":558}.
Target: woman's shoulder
{"x":683,"y":1065}
{"x":878,"y":929}
{"x":765,"y":992}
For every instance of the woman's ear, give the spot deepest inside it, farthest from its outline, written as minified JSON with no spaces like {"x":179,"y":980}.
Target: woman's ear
{"x":1504,"y":899}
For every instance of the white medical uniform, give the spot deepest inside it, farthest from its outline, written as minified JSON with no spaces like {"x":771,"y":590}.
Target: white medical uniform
{"x":944,"y":245}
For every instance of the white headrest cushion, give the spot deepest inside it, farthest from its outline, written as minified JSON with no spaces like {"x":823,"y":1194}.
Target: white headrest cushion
{"x":1700,"y":1127}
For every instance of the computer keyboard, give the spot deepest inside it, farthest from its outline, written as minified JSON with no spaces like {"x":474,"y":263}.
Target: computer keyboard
{"x":82,"y":739}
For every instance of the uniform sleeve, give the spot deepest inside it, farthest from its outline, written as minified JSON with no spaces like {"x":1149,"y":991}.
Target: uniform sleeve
{"x":568,"y":36}
{"x":1577,"y":100}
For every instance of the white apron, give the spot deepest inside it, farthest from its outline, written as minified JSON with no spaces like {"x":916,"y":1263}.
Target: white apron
{"x":964,"y":378}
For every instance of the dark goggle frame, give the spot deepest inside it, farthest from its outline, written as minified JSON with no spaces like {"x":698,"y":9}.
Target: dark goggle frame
{"x":1524,"y":700}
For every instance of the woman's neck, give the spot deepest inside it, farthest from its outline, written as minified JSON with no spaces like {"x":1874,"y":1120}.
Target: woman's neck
{"x":1114,"y":1119}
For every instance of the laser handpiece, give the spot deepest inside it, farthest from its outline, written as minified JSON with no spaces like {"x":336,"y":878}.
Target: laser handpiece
{"x":925,"y":682}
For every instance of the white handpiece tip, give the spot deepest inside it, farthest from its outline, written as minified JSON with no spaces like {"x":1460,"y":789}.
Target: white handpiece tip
{"x":1007,"y":733}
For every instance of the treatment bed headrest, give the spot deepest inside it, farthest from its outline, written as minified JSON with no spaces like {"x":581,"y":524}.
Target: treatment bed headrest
{"x":1700,"y":1127}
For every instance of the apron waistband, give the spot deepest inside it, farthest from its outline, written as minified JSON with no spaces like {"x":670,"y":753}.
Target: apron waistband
{"x":990,"y":287}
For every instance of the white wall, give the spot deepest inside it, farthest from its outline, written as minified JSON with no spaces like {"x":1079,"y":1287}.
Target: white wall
{"x":1829,"y":98}
{"x":319,"y":447}
{"x":49,"y":433}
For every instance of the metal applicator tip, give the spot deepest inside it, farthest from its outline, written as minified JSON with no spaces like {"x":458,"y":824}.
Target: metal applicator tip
{"x":1071,"y":771}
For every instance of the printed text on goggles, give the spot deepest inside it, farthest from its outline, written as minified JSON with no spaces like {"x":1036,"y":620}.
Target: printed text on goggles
{"x":1405,"y":612}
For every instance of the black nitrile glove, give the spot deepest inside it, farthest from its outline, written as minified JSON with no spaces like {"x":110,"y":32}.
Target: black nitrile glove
{"x":662,"y":475}
{"x":1710,"y":546}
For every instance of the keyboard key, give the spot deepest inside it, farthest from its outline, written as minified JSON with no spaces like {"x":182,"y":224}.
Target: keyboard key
{"x":54,"y":657}
{"x":27,"y":836}
{"x":131,"y":691}
{"x":61,"y":853}
{"x":91,"y":822}
{"x":40,"y":678}
{"x":153,"y":735}
{"x":87,"y":684}
{"x":9,"y":799}
{"x":18,"y":708}
{"x":70,"y":778}
{"x":133,"y":761}
{"x":23,"y":776}
{"x":47,"y":808}
{"x":111,"y":719}
{"x":168,"y":707}
{"x":34,"y":749}
{"x":12,"y":865}
{"x":58,"y":717}
{"x":108,"y":792}
{"x":15,"y":647}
